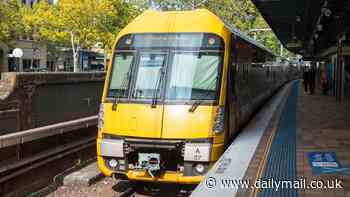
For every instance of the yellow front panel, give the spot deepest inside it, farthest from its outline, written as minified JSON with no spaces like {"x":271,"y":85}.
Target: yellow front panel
{"x":137,"y":120}
{"x":179,"y":123}
{"x":168,"y":121}
{"x":168,"y":176}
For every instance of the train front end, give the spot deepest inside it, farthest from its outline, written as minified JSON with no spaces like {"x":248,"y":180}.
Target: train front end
{"x":162,"y":112}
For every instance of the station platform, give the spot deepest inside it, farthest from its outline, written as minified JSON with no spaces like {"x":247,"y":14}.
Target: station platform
{"x":323,"y":125}
{"x":304,"y":151}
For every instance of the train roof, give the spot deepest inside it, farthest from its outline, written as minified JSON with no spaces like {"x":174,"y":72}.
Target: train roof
{"x":246,"y":38}
{"x":152,"y":21}
{"x":199,"y":20}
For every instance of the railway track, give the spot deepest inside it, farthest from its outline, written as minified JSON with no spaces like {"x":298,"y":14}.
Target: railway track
{"x":37,"y":158}
{"x":156,"y":190}
{"x":108,"y":187}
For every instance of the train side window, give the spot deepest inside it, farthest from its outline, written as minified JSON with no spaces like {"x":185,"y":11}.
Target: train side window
{"x":245,"y":71}
{"x":233,"y":80}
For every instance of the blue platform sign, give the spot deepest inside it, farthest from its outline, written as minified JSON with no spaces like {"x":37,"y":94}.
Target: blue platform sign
{"x":326,"y":162}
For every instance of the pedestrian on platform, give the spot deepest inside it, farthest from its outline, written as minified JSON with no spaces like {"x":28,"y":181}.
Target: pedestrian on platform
{"x":324,"y":80}
{"x":312,"y":80}
{"x":306,"y":79}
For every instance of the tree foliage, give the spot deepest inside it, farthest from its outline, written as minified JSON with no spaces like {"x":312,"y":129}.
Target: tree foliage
{"x":84,"y":23}
{"x":79,"y":23}
{"x":11,"y":26}
{"x":242,"y":13}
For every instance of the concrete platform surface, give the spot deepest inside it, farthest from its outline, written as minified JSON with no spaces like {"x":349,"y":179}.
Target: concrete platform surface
{"x":83,"y":177}
{"x":321,"y":125}
{"x":234,"y":163}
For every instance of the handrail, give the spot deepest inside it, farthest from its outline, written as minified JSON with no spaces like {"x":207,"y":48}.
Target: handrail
{"x":46,"y":131}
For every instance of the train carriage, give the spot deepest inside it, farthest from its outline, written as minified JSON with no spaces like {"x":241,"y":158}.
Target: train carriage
{"x":180,"y":86}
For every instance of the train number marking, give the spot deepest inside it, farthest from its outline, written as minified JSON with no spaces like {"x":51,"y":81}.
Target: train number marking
{"x":197,"y":155}
{"x":223,"y":165}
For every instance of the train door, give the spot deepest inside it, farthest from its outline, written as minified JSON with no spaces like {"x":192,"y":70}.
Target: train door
{"x":147,"y":90}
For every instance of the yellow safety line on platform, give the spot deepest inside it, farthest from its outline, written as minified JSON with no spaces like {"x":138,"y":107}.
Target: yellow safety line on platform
{"x":262,"y":164}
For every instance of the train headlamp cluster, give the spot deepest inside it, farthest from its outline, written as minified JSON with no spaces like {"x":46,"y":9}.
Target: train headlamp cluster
{"x":101,"y":117}
{"x":112,"y":152}
{"x":197,"y":155}
{"x":219,"y":122}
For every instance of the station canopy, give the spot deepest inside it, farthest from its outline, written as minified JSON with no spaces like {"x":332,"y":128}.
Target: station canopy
{"x":307,"y":27}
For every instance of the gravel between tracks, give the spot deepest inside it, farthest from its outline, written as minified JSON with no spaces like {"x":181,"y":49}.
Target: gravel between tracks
{"x":107,"y":187}
{"x":103,"y":188}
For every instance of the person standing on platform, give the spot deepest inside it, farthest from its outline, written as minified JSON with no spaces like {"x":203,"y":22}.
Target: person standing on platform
{"x":330,"y":77}
{"x":306,"y":79}
{"x":312,"y":78}
{"x":324,"y":80}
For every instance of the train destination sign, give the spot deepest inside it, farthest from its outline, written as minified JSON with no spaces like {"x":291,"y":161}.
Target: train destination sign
{"x":174,"y":40}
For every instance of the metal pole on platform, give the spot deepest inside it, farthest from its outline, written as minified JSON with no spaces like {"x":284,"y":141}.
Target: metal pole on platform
{"x":340,"y":69}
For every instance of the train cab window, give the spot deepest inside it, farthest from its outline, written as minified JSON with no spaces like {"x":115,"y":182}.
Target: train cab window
{"x":149,"y":75}
{"x":193,"y":76}
{"x":119,"y":82}
{"x":183,"y":66}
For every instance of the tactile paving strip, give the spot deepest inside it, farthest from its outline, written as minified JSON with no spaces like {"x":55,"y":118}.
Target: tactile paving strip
{"x":281,"y":163}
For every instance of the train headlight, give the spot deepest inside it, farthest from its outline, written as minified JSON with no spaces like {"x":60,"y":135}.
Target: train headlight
{"x":113,"y":163}
{"x":219,"y":122}
{"x":199,"y":168}
{"x":101,"y":117}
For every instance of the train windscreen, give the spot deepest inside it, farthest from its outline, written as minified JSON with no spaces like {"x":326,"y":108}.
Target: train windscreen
{"x":193,"y":76}
{"x":176,"y":67}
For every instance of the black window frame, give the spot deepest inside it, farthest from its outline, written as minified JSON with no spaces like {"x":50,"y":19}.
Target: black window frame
{"x":167,"y":66}
{"x":125,"y":98}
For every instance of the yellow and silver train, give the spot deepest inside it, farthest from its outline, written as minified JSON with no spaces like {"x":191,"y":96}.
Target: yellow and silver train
{"x":179,"y":87}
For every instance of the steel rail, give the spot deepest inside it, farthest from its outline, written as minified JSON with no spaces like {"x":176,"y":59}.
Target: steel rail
{"x":46,"y":131}
{"x":47,"y":157}
{"x":129,"y":192}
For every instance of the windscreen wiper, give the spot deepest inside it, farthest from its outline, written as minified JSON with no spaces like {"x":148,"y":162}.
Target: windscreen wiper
{"x":156,"y":89}
{"x":124,"y":85}
{"x":195,"y":105}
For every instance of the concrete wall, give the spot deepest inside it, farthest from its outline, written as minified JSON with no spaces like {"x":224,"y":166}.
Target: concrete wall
{"x":29,"y":100}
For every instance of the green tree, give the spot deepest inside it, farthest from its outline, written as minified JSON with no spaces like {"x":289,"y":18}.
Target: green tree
{"x":11,"y":26}
{"x":78,"y":23}
{"x":242,"y":13}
